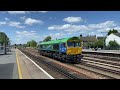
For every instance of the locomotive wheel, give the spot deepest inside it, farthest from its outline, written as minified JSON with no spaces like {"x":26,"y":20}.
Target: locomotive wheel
{"x":66,"y":59}
{"x":57,"y":56}
{"x":60,"y":57}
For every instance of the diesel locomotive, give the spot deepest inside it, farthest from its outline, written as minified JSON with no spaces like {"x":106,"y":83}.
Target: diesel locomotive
{"x":65,"y":49}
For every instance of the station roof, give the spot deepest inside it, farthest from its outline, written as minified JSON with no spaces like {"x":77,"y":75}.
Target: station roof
{"x":89,"y":39}
{"x":117,"y":34}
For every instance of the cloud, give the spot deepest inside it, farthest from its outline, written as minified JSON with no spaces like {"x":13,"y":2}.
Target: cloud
{"x":31,"y":21}
{"x":15,"y":24}
{"x":68,"y":27}
{"x":25,"y":36}
{"x":91,"y":33}
{"x":103,"y":30}
{"x":73,"y":19}
{"x":2,"y":11}
{"x":105,"y":26}
{"x":54,"y":36}
{"x":3,"y":22}
{"x":11,"y":23}
{"x":37,"y":11}
{"x":7,"y":19}
{"x":99,"y":35}
{"x":23,"y":17}
{"x":42,"y":11}
{"x":16,"y":12}
{"x":24,"y":12}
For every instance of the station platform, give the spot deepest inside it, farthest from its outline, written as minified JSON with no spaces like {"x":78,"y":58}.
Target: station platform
{"x":16,"y":65}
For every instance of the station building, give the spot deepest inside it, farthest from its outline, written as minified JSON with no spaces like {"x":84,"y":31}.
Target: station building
{"x":112,"y":37}
{"x":2,"y":48}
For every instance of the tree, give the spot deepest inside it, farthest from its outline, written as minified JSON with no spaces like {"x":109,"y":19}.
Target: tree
{"x":28,"y":44}
{"x":4,"y":39}
{"x":99,"y":44}
{"x":113,"y":45}
{"x":24,"y":45}
{"x":48,"y":38}
{"x":33,"y":43}
{"x":112,"y":31}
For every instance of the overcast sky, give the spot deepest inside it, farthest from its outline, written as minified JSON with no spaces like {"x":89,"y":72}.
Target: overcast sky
{"x":22,"y":26}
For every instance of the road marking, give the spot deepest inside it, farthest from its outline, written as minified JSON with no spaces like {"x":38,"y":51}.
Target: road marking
{"x":18,"y":64}
{"x":38,"y":66}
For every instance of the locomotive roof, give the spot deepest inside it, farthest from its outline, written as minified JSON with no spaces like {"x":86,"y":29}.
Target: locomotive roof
{"x":58,"y":41}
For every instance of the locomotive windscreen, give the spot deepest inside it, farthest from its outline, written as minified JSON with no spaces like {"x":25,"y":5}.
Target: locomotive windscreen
{"x":73,"y":44}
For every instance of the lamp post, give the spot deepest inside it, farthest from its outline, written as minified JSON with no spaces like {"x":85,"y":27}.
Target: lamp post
{"x":5,"y":42}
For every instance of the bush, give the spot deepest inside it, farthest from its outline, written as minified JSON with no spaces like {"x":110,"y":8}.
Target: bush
{"x":113,"y":45}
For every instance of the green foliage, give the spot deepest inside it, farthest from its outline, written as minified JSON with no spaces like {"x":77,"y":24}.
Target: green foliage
{"x":112,"y":31}
{"x":99,"y":44}
{"x":24,"y":45}
{"x":91,"y":45}
{"x":32,"y":43}
{"x":48,"y":38}
{"x":4,"y":39}
{"x":113,"y":45}
{"x":28,"y":43}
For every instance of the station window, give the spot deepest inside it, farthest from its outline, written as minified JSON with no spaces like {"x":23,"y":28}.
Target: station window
{"x":1,"y":48}
{"x":1,"y":44}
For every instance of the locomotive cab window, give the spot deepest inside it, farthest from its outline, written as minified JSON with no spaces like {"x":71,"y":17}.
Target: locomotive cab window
{"x":73,"y":44}
{"x":63,"y":44}
{"x":77,"y":44}
{"x":70,"y":44}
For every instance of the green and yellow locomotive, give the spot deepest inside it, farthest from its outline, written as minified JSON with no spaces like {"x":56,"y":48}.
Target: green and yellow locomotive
{"x":66,"y":49}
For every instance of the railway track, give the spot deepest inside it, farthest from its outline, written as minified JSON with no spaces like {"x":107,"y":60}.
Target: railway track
{"x":109,"y":54}
{"x":100,"y":69}
{"x":102,"y":57}
{"x":109,"y":67}
{"x":104,"y":68}
{"x":62,"y":70}
{"x":112,"y":62}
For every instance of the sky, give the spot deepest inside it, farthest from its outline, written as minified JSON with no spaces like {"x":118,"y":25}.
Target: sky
{"x":23,"y":26}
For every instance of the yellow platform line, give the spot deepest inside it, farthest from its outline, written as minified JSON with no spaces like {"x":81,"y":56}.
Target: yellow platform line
{"x":18,"y":64}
